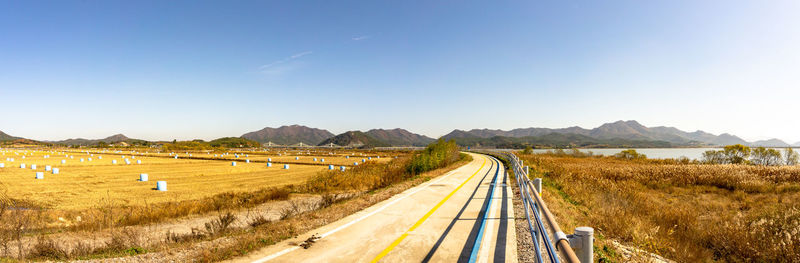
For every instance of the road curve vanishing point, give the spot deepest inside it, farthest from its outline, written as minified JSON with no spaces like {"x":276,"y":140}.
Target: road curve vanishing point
{"x":442,"y":220}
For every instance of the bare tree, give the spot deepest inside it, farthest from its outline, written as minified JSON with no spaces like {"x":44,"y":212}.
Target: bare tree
{"x":791,"y":157}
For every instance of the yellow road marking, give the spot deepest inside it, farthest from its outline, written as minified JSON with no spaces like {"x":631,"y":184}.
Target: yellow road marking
{"x":425,"y":217}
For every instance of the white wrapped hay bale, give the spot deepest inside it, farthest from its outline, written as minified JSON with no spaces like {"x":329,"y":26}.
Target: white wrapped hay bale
{"x":143,"y":177}
{"x":342,"y":168}
{"x":55,"y":171}
{"x":82,"y":160}
{"x":286,"y":166}
{"x":2,"y":165}
{"x":233,"y":163}
{"x":39,"y":175}
{"x":63,"y":161}
{"x":89,"y":159}
{"x":315,"y":159}
{"x":269,"y":159}
{"x":330,"y":167}
{"x":22,"y":166}
{"x":363,"y":160}
{"x":161,"y":185}
{"x":355,"y":163}
{"x":113,"y":161}
{"x":297,"y":158}
{"x":48,"y":168}
{"x":247,"y":161}
{"x":322,"y":160}
{"x":33,"y":167}
{"x":138,"y":161}
{"x":269,"y":164}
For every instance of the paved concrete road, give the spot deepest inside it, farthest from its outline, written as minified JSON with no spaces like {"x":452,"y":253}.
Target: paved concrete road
{"x":438,"y":221}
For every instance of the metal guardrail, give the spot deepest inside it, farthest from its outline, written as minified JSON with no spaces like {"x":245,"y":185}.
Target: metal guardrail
{"x":575,"y":248}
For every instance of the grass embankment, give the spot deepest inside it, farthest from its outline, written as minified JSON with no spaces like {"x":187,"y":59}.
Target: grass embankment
{"x":686,"y":212}
{"x":379,"y":180}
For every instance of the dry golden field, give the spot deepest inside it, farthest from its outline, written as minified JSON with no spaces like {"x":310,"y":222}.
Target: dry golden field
{"x":685,"y":212}
{"x":87,"y":184}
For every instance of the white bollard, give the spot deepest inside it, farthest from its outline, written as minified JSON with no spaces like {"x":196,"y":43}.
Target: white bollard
{"x":537,"y":184}
{"x":161,"y":185}
{"x":582,"y":242}
{"x":143,"y":177}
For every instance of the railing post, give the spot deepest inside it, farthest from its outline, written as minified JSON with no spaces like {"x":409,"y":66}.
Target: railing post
{"x":582,"y":242}
{"x":537,"y":184}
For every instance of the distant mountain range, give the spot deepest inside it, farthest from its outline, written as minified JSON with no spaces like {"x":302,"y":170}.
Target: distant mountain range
{"x":289,"y":135}
{"x":616,"y":134}
{"x":355,"y":139}
{"x":80,"y":141}
{"x":629,"y":132}
{"x":399,"y":137}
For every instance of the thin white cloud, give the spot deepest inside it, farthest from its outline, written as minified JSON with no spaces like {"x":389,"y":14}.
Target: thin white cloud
{"x":300,"y":54}
{"x":359,"y":38}
{"x":277,"y":67}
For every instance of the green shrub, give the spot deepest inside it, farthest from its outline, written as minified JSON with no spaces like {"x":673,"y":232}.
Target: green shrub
{"x":437,"y":155}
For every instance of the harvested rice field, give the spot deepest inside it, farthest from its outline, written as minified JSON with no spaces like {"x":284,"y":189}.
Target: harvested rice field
{"x":79,"y":185}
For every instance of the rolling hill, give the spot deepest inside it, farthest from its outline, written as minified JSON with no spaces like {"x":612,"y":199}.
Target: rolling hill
{"x":108,"y":140}
{"x":6,"y":137}
{"x":399,"y":137}
{"x":288,"y":135}
{"x":356,"y":139}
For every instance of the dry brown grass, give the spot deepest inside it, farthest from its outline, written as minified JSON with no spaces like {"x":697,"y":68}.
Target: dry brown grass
{"x":217,"y":187}
{"x":687,"y":212}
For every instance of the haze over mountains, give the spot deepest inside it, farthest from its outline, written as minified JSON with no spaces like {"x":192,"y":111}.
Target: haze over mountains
{"x":616,"y":134}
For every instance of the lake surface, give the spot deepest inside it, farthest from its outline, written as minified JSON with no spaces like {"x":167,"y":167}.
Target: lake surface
{"x":652,"y":153}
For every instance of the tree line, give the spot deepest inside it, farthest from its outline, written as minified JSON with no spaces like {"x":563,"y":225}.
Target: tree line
{"x":740,"y":154}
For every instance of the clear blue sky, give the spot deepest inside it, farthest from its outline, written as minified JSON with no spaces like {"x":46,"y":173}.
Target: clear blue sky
{"x":206,"y":69}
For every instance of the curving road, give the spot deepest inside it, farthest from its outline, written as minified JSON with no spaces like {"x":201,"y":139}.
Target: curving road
{"x":442,"y":220}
